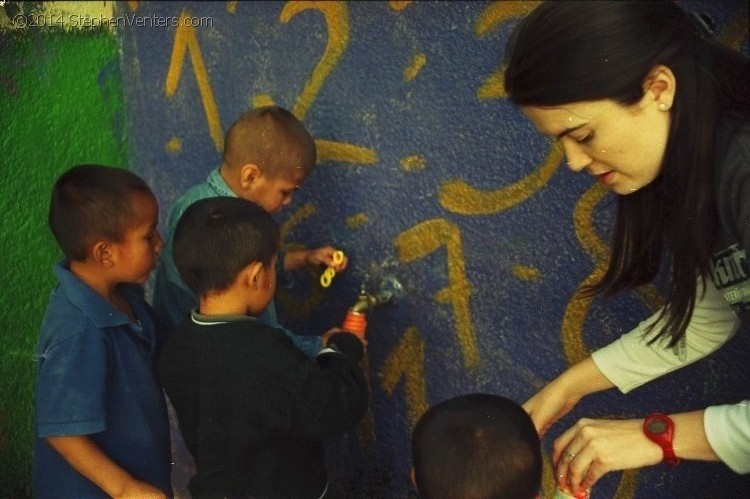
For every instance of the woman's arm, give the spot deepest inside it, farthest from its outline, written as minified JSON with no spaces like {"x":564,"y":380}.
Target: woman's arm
{"x":560,"y":395}
{"x":593,"y":447}
{"x":630,"y":361}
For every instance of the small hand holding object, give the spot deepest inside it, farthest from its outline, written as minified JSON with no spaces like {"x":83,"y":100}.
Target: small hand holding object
{"x":327,"y":336}
{"x":338,"y":262}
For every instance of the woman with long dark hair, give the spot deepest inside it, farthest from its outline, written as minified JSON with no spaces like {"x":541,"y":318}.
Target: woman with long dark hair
{"x":640,"y":96}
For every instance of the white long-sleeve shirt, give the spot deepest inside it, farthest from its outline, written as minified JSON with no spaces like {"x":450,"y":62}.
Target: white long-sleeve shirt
{"x":630,"y":362}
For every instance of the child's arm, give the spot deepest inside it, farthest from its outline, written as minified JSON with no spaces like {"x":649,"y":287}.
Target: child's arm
{"x":335,"y":395}
{"x":88,"y":459}
{"x":299,"y":258}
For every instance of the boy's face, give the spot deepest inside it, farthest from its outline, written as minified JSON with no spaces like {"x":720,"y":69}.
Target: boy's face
{"x":274,"y":193}
{"x":138,"y":252}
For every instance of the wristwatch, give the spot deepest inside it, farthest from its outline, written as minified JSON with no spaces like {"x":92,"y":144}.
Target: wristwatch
{"x":659,"y":428}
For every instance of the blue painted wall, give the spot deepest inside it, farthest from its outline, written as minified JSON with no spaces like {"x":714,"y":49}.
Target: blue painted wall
{"x":428,"y":174}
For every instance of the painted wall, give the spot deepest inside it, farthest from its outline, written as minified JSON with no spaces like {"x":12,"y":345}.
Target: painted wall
{"x":60,"y":104}
{"x":425,"y":173}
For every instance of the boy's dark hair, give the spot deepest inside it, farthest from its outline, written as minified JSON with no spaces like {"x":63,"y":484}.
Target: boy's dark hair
{"x":90,"y":202}
{"x":217,"y":237}
{"x":271,"y":138}
{"x":476,"y":446}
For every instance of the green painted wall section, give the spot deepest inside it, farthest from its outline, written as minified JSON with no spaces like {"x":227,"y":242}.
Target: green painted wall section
{"x":60,"y":104}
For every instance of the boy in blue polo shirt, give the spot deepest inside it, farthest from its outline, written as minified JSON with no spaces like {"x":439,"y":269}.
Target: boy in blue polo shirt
{"x":100,"y":421}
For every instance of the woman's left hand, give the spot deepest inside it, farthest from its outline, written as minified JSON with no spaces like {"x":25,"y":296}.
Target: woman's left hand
{"x":594,"y":447}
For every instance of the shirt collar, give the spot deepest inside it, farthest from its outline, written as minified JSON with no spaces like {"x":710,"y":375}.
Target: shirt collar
{"x":92,"y":303}
{"x":210,"y":320}
{"x":218,"y":184}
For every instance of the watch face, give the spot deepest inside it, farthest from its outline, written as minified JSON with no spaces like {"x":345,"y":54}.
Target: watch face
{"x":657,"y":426}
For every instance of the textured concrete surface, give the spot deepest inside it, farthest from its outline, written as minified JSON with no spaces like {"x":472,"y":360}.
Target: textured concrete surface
{"x":425,"y":173}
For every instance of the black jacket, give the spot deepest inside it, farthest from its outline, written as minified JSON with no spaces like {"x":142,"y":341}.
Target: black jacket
{"x":253,"y":408}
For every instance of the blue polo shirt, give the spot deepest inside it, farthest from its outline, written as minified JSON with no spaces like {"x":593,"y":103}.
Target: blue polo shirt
{"x":95,"y":376}
{"x":174,"y":300}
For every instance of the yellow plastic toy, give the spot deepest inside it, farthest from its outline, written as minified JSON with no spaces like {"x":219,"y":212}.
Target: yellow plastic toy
{"x":330,"y":272}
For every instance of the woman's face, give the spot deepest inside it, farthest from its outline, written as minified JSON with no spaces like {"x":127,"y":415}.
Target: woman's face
{"x":623,"y":147}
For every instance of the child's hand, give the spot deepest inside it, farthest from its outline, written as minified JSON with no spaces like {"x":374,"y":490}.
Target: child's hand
{"x":314,"y":258}
{"x":324,"y":256}
{"x":327,"y":336}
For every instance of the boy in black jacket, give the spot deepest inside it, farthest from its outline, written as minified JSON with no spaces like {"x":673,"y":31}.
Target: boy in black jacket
{"x":252,"y":407}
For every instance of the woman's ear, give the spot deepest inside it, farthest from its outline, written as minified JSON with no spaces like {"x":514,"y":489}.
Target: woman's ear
{"x":249,"y":173}
{"x":659,"y":87}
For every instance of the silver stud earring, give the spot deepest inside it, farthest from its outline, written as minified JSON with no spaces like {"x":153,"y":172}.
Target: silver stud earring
{"x":662,"y":106}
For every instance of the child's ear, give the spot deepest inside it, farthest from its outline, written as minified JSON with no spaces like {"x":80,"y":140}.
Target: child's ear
{"x":249,"y":173}
{"x":102,"y":252}
{"x":253,"y":275}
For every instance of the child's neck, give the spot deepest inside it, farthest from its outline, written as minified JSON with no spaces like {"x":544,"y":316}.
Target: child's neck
{"x":94,"y":278}
{"x":225,"y":304}
{"x":230,"y":180}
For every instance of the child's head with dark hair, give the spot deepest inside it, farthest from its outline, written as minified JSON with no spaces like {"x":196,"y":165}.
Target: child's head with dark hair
{"x":268,"y":154}
{"x":93,"y":202}
{"x":272,"y":138}
{"x":476,"y":446}
{"x":216,"y":238}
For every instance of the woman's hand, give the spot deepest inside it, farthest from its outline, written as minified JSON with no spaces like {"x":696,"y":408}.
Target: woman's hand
{"x":550,"y":404}
{"x":594,"y":447}
{"x":559,"y":396}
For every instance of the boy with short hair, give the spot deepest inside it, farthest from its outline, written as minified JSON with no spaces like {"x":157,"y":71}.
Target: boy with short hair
{"x":100,"y":420}
{"x":476,"y":446}
{"x":252,"y":407}
{"x":268,"y":154}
